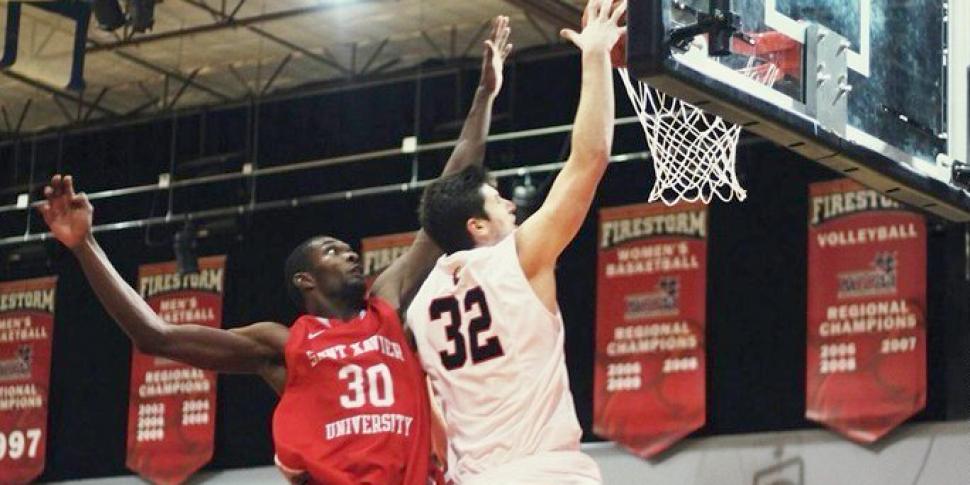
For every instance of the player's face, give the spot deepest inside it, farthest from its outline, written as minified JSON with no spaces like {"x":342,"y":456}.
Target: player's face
{"x":501,"y":215}
{"x":337,"y":269}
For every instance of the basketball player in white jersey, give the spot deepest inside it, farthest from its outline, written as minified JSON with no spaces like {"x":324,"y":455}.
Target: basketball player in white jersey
{"x":488,"y":330}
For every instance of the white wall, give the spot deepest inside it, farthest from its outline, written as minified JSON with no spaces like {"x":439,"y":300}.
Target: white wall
{"x":804,"y":458}
{"x":927,"y":454}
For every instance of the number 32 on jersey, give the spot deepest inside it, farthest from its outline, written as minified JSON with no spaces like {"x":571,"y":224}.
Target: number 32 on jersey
{"x":451,"y":312}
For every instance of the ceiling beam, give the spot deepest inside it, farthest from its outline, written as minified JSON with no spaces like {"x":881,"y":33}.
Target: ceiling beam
{"x":42,"y":86}
{"x":376,"y":76}
{"x":373,"y":56}
{"x":172,"y":74}
{"x":538,"y":28}
{"x":276,"y":73}
{"x":554,"y":12}
{"x":23,"y":115}
{"x":181,"y":91}
{"x":268,"y":36}
{"x":227,"y":23}
{"x":476,"y":38}
{"x":66,"y":112}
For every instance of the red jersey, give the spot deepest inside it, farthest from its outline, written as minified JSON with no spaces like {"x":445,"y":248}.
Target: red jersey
{"x":355,"y":406}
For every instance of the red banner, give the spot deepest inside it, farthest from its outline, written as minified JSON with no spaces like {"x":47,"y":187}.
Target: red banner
{"x":26,"y":332}
{"x":379,"y":252}
{"x":649,"y":389}
{"x":866,"y":357}
{"x":172,"y":406}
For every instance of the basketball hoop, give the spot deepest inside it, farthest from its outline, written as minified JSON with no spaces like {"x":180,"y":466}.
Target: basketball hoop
{"x":694,"y":152}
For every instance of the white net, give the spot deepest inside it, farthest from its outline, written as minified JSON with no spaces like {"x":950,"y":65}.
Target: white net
{"x":694,"y":153}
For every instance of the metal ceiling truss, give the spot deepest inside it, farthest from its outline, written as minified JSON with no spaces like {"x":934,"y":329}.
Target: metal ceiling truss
{"x":229,"y":19}
{"x":173,"y":74}
{"x":41,"y":86}
{"x":226,"y":21}
{"x":15,"y":128}
{"x":361,"y":67}
{"x":376,"y":76}
{"x":554,"y":12}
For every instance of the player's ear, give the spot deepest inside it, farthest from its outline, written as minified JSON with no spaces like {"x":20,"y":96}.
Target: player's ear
{"x":476,"y":227}
{"x":304,"y":281}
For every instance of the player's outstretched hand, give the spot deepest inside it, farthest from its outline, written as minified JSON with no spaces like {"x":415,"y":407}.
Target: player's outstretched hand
{"x":497,"y":49}
{"x":67,"y":214}
{"x":602,"y":29}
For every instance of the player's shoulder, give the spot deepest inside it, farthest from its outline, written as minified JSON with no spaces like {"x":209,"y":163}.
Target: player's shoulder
{"x":272,"y":333}
{"x":381,"y":309}
{"x":261,"y":328}
{"x":482,"y":255}
{"x":376,"y":304}
{"x":497,"y":257}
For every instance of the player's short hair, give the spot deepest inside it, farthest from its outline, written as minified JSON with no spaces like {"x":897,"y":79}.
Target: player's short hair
{"x":298,"y":262}
{"x":448,"y":203}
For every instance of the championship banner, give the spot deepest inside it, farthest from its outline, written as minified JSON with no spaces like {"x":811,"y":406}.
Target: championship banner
{"x":26,"y":333}
{"x":866,"y":359}
{"x":649,"y":388}
{"x":379,"y":252}
{"x":172,"y":406}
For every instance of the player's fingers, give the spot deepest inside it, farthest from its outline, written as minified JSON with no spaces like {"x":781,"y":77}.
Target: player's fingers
{"x":56,"y":184}
{"x":69,"y":185}
{"x":603,"y":11}
{"x":591,"y":9}
{"x":503,"y":22}
{"x":45,"y":209}
{"x":570,"y":35}
{"x":503,"y":36}
{"x":489,"y":50}
{"x":81,"y":200}
{"x":48,"y":192}
{"x":508,"y":50}
{"x":618,"y":13}
{"x":500,"y":39}
{"x":495,"y":26}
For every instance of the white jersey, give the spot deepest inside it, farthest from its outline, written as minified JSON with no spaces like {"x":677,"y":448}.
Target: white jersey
{"x":495,"y":357}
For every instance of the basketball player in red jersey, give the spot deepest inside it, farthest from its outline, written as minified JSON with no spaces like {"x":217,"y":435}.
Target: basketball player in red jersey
{"x":354,"y":404}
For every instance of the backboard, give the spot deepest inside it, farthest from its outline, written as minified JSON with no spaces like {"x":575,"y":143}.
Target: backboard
{"x":893,"y":116}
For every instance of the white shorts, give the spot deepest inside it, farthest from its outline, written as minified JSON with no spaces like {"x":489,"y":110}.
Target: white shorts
{"x":549,"y":468}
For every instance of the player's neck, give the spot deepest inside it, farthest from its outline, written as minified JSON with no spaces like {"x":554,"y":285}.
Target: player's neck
{"x":336,"y":309}
{"x":486,"y":241}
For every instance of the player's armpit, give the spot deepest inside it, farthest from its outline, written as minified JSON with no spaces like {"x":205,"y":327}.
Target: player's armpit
{"x":275,"y":376}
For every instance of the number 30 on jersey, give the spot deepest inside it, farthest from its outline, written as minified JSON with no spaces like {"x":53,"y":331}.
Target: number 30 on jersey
{"x":377,"y":389}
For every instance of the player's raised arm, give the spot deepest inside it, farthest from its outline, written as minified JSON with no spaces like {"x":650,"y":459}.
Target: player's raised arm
{"x":398,"y":282}
{"x":257,"y":348}
{"x":470,"y":149}
{"x":546,"y":233}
